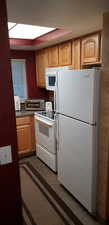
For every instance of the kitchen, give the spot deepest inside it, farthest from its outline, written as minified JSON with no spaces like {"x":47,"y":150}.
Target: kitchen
{"x":42,"y":140}
{"x":7,"y":127}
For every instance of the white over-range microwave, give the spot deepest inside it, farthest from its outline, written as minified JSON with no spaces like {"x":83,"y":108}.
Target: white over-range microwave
{"x":51,"y":76}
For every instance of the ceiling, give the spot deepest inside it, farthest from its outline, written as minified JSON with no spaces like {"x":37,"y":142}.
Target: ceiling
{"x":82,"y":16}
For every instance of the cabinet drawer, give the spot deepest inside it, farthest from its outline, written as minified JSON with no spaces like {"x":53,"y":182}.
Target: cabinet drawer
{"x":23,"y":120}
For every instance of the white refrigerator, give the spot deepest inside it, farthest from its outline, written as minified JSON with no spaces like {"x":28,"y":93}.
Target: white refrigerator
{"x":77,"y":105}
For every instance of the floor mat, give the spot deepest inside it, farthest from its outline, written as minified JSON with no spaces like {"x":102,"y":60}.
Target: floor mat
{"x":41,"y":204}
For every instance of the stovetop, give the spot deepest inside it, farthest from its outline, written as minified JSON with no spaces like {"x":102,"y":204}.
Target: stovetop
{"x":47,"y":114}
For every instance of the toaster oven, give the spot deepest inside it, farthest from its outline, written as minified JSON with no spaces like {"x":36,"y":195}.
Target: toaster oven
{"x":35,"y":104}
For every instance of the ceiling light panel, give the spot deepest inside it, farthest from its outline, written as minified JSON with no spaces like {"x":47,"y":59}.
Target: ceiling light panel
{"x":28,"y":31}
{"x":10,"y":25}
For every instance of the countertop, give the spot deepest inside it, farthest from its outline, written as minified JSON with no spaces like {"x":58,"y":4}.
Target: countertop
{"x":24,"y":113}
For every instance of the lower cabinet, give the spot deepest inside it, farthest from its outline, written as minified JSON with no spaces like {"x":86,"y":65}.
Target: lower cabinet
{"x":25,"y":134}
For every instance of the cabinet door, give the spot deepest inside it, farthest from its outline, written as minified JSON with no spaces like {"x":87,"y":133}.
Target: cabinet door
{"x":53,"y":56}
{"x":24,"y":138}
{"x":90,"y":49}
{"x":33,"y":138}
{"x":76,"y":51}
{"x":41,"y":64}
{"x":25,"y":134}
{"x":65,"y":54}
{"x":101,"y":46}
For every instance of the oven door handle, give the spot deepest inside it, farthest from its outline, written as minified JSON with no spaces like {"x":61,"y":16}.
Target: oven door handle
{"x":49,"y":124}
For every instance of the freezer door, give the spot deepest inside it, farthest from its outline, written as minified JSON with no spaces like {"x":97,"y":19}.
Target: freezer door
{"x":77,"y":94}
{"x":77,"y":160}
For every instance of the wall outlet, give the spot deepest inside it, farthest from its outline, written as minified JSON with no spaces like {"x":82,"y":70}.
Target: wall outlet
{"x":5,"y":155}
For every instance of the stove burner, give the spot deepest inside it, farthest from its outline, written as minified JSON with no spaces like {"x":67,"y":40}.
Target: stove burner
{"x":47,"y":114}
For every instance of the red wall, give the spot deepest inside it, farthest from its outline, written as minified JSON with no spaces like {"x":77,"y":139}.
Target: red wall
{"x":33,"y":90}
{"x":10,"y":198}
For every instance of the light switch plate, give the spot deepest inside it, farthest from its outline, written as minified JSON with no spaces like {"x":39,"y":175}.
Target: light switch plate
{"x":5,"y":155}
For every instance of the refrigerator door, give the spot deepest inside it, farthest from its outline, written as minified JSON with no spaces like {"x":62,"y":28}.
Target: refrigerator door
{"x":77,"y":160}
{"x":77,"y":94}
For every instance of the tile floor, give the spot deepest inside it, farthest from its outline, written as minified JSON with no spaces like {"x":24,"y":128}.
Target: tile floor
{"x":51,"y":178}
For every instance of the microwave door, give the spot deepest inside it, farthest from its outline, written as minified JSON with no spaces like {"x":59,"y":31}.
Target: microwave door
{"x":50,"y":81}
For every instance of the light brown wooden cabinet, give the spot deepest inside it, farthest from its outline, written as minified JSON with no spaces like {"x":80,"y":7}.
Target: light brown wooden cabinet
{"x":65,"y":54}
{"x":25,"y":134}
{"x":41,"y":64}
{"x":77,"y":53}
{"x":76,"y":56}
{"x":90,"y":49}
{"x":101,"y":46}
{"x":53,"y":56}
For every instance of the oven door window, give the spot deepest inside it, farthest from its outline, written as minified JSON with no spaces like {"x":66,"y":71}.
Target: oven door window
{"x":52,"y":80}
{"x":44,"y":129}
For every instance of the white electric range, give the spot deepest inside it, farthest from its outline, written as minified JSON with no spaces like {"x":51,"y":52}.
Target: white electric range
{"x":45,"y":131}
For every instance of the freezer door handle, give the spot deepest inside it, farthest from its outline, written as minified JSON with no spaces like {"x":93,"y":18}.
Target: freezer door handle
{"x":55,"y":100}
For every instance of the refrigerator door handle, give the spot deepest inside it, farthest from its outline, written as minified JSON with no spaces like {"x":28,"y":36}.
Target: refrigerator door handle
{"x":56,"y":97}
{"x":57,"y":132}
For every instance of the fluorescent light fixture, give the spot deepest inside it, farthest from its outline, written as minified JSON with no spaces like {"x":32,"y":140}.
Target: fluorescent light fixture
{"x":24,"y":31}
{"x":10,"y":25}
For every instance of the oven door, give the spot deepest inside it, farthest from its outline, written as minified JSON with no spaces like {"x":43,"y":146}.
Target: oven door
{"x":45,"y":134}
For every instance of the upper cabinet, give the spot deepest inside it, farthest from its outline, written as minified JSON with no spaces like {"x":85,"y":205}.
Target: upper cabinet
{"x":53,"y":56}
{"x":41,"y":64}
{"x":90,"y":49}
{"x":65,"y":54}
{"x":76,"y":57}
{"x":101,"y":45}
{"x":79,"y":53}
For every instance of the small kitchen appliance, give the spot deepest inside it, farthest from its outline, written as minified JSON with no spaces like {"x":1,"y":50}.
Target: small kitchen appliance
{"x":17,"y":103}
{"x":48,"y":106}
{"x":35,"y":104}
{"x":51,"y":76}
